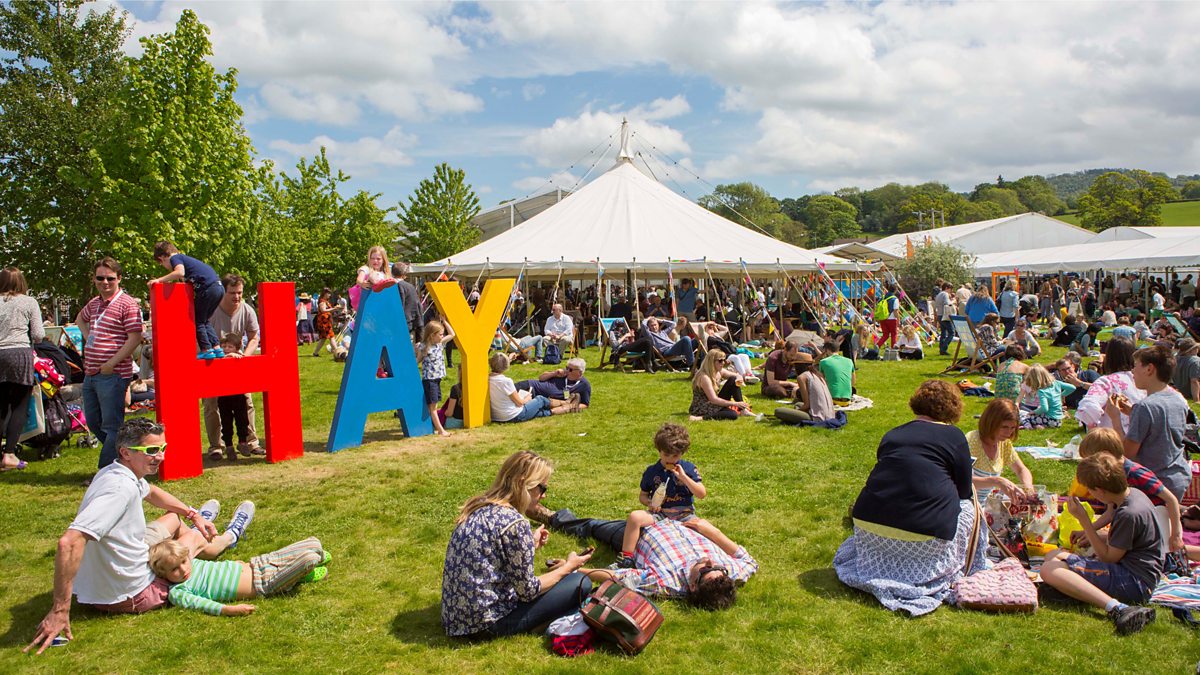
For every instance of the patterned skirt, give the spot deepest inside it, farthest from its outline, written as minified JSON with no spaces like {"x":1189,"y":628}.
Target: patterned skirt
{"x":324,"y":324}
{"x":16,"y":366}
{"x":914,"y":576}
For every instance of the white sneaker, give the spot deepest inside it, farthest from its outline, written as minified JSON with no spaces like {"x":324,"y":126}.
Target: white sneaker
{"x":209,"y":509}
{"x":240,"y":521}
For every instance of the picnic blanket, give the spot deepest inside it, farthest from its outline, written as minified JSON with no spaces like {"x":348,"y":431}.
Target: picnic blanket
{"x":856,"y":403}
{"x":1040,"y":452}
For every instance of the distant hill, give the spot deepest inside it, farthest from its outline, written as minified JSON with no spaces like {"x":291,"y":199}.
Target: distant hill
{"x":1175,"y":214}
{"x":1070,"y":186}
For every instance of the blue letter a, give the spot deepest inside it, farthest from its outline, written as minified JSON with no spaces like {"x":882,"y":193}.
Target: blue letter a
{"x":380,"y":325}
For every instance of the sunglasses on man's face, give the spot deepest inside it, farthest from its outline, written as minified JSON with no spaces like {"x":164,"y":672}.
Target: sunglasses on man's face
{"x":100,"y":277}
{"x":149,"y":450}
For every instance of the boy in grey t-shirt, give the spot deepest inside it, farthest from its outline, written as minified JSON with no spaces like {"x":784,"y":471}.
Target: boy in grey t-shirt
{"x":1155,"y":435}
{"x":1127,"y":564}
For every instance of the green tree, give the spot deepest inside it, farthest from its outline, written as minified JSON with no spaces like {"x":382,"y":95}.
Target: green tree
{"x":179,"y":166}
{"x":1190,"y":190}
{"x":933,"y":261}
{"x":1133,"y":200}
{"x":58,"y":74}
{"x":881,"y":207}
{"x":828,"y":218}
{"x":1036,"y":193}
{"x":918,"y":209}
{"x":437,"y":219}
{"x":750,"y":205}
{"x":312,"y":234}
{"x":1005,"y":198}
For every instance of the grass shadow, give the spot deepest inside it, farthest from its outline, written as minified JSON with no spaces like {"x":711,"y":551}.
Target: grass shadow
{"x":423,"y":627}
{"x":822,"y":582}
{"x":57,"y":479}
{"x":24,"y":618}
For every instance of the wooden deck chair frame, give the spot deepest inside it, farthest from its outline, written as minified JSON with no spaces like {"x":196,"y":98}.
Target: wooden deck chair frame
{"x":606,"y":337}
{"x":968,"y":340}
{"x":662,"y":361}
{"x":513,"y":344}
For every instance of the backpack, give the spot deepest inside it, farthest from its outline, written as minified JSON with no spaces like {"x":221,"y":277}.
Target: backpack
{"x":552,"y":356}
{"x":623,"y":615}
{"x":882,"y":311}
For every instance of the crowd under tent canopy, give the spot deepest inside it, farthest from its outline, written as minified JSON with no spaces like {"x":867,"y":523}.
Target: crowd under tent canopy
{"x":1012,"y":233}
{"x":626,"y":221}
{"x":1112,"y":256}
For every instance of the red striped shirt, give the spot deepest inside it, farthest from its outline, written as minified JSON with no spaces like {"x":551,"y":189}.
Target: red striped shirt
{"x":109,"y":326}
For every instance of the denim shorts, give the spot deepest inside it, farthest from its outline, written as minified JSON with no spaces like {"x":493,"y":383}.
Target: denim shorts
{"x":677,"y":515}
{"x":1112,"y":578}
{"x":433,"y":390}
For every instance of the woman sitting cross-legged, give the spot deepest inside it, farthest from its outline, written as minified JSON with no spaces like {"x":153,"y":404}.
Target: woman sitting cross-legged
{"x":813,"y":400}
{"x":716,"y":390}
{"x":488,"y":585}
{"x":510,"y":404}
{"x":914,"y":518}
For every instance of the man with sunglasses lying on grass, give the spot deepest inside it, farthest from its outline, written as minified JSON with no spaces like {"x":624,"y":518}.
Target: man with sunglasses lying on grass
{"x":103,"y":557}
{"x":691,"y":560}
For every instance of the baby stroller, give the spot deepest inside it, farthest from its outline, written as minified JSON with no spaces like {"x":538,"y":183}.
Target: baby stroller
{"x":59,"y":421}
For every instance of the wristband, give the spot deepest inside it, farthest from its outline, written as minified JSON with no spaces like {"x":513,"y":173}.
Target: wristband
{"x":191,"y":514}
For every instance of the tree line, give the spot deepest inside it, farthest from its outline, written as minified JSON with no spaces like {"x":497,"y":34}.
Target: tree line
{"x":1130,"y":197}
{"x":103,"y":154}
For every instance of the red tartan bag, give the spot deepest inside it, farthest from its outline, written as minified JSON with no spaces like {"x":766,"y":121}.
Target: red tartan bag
{"x":622,"y":614}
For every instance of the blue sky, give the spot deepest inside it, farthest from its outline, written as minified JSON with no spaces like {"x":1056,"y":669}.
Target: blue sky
{"x":798,"y":98}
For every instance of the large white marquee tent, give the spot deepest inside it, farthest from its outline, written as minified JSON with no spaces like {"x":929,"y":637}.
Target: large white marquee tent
{"x":1153,"y":253}
{"x":625,"y":220}
{"x":1022,"y":231}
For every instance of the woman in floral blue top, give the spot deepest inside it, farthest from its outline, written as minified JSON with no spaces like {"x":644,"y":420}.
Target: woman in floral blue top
{"x":488,"y":585}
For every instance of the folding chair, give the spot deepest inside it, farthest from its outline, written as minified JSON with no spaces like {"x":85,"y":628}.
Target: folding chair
{"x":974,"y":361}
{"x":512,"y":344}
{"x":662,"y":361}
{"x":612,"y":330}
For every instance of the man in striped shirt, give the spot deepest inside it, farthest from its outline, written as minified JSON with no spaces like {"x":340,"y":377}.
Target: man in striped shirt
{"x":671,"y":559}
{"x":111,"y":324}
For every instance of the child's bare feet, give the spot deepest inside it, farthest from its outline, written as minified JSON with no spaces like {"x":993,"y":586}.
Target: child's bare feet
{"x":443,"y":432}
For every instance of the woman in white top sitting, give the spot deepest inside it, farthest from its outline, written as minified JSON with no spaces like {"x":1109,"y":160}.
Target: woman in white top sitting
{"x":910,"y":343}
{"x":510,"y":404}
{"x":1023,"y":337}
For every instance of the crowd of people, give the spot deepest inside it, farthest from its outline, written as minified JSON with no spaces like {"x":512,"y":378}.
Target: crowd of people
{"x":914,"y":523}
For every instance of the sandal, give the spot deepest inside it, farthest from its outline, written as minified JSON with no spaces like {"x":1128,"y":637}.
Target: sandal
{"x":19,"y":466}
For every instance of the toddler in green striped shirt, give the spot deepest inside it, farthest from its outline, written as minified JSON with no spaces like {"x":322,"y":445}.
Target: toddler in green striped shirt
{"x":207,"y":585}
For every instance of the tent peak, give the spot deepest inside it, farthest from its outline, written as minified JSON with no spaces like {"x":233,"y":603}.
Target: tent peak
{"x":624,"y":155}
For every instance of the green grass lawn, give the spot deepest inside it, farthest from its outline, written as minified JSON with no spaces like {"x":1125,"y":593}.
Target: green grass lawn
{"x":1175,"y":214}
{"x":386,"y":510}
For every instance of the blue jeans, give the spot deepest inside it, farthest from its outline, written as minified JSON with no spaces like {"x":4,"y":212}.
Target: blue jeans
{"x":538,"y":406}
{"x":682,"y":348}
{"x":611,"y":532}
{"x":562,"y":599}
{"x":946,"y":337}
{"x":206,"y":301}
{"x":104,"y":408}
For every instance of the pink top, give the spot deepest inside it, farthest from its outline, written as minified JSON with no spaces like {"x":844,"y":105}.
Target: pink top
{"x":1091,"y":408}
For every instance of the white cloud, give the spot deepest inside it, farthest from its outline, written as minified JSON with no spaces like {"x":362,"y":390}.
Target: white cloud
{"x":362,"y":156}
{"x":532,"y":91}
{"x":592,"y":134}
{"x":864,"y":92}
{"x":324,"y":61}
{"x":539,"y":184}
